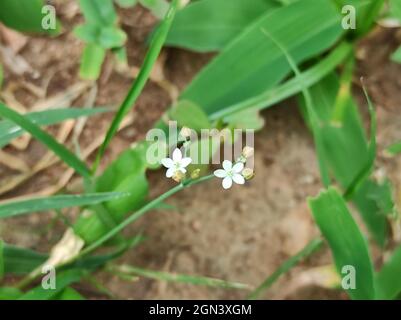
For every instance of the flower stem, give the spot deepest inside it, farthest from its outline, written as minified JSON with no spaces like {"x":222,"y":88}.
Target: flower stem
{"x":113,"y":232}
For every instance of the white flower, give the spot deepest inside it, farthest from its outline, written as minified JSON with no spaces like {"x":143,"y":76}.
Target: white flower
{"x":178,"y":163}
{"x":230,"y":173}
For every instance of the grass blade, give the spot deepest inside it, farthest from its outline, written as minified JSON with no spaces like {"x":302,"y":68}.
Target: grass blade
{"x":372,"y":150}
{"x":9,"y":130}
{"x":291,"y":87}
{"x":310,"y":248}
{"x":171,"y":277}
{"x":311,"y":113}
{"x":346,"y":241}
{"x":62,"y":152}
{"x":154,"y":50}
{"x":64,"y":279}
{"x":388,"y":282}
{"x":55,"y":202}
{"x":209,"y":25}
{"x":394,"y":149}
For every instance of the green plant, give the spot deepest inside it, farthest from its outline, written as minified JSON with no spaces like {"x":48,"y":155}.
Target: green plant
{"x":260,"y":62}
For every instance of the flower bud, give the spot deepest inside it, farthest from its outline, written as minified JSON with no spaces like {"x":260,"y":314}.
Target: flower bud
{"x":185,"y":132}
{"x":248,"y":173}
{"x":178,"y":176}
{"x":195,"y":174}
{"x":248,"y":152}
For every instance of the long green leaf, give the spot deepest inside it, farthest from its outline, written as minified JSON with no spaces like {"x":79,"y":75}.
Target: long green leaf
{"x":67,"y":156}
{"x":55,"y":202}
{"x":209,"y":25}
{"x":366,"y":170}
{"x":63,"y":280}
{"x":9,"y":130}
{"x":346,"y":241}
{"x":251,"y":64}
{"x":14,"y":15}
{"x":310,"y":248}
{"x":154,"y":50}
{"x":291,"y":87}
{"x":394,"y":148}
{"x":311,"y":113}
{"x":171,"y":277}
{"x":388,"y":280}
{"x":344,"y":141}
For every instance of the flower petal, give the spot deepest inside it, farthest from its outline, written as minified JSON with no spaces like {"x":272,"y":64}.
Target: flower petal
{"x":227,"y":165}
{"x":238,"y":179}
{"x":185,"y":162}
{"x":238,"y":167}
{"x":167,"y":162}
{"x":227,"y":183}
{"x":177,"y":155}
{"x":170,"y":172}
{"x":220,"y":173}
{"x":182,"y":169}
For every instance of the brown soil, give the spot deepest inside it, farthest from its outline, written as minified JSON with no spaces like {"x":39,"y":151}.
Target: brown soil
{"x":242,"y":235}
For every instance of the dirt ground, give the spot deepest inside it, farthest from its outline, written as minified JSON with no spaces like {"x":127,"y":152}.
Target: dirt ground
{"x":242,"y":235}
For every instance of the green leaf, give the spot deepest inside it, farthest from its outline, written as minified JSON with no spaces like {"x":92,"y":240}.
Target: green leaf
{"x":9,"y":130}
{"x":92,"y":61}
{"x":69,"y":294}
{"x":209,"y":25}
{"x":9,"y":293}
{"x":140,"y":81}
{"x":99,"y":12}
{"x":14,"y":15}
{"x":395,"y":9}
{"x":366,"y":170}
{"x":159,"y":8}
{"x":388,"y":281}
{"x":2,"y":264}
{"x":11,"y":209}
{"x":394,"y":148}
{"x":111,"y":37}
{"x":310,"y":248}
{"x":126,"y":3}
{"x":188,"y":114}
{"x":63,"y":280}
{"x":181,"y":278}
{"x":291,"y":87}
{"x":63,"y":153}
{"x":87,"y":32}
{"x":251,"y":64}
{"x":396,"y":56}
{"x":247,"y":119}
{"x":125,"y":174}
{"x":21,"y":261}
{"x":344,"y":141}
{"x":346,"y":241}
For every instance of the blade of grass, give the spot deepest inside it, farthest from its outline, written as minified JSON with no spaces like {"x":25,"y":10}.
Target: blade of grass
{"x":372,"y":150}
{"x":309,"y":249}
{"x":171,"y":277}
{"x":311,"y":113}
{"x":1,"y":259}
{"x":55,"y":202}
{"x":138,"y":85}
{"x":394,"y":148}
{"x":67,"y":156}
{"x":388,"y":281}
{"x":345,"y":239}
{"x":9,"y":130}
{"x":64,"y":279}
{"x":291,"y":87}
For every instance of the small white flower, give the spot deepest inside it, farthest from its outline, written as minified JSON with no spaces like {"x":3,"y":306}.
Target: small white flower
{"x":178,"y":163}
{"x":230,"y":173}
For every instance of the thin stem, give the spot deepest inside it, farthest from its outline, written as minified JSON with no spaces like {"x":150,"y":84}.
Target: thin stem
{"x":136,"y":215}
